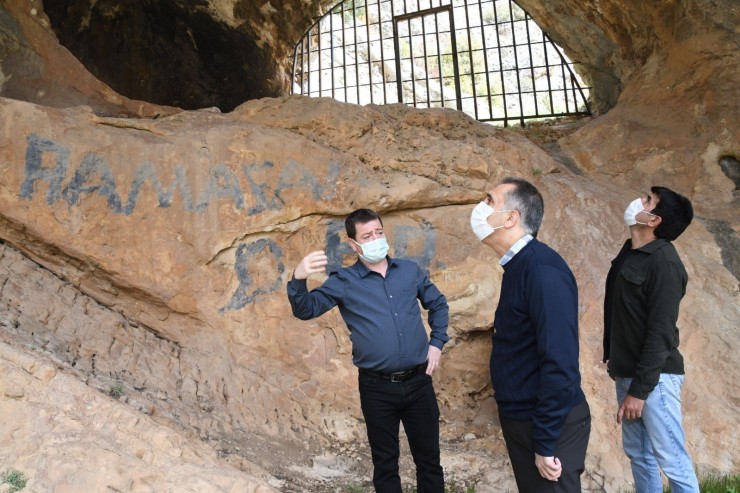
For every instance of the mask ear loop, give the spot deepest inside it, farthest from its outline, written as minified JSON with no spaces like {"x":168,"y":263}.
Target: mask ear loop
{"x":360,"y":246}
{"x":646,"y":212}
{"x":508,"y":211}
{"x":495,"y":228}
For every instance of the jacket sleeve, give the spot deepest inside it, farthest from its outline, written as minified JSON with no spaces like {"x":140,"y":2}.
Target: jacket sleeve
{"x":311,"y":304}
{"x":435,"y":302}
{"x":664,"y":288}
{"x":608,"y":300}
{"x":552,"y":297}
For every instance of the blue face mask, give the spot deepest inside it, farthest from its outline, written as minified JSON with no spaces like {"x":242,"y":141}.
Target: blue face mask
{"x":373,"y":252}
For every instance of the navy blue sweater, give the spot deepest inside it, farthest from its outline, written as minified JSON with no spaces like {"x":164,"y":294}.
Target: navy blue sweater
{"x":534,"y":361}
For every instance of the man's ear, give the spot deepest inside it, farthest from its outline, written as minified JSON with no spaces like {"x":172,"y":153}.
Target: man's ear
{"x":512,"y":219}
{"x":655,"y":221}
{"x":353,"y":245}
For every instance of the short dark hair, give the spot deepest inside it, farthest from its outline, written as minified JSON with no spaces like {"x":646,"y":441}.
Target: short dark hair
{"x":360,"y":216}
{"x":675,"y":213}
{"x":526,"y":199}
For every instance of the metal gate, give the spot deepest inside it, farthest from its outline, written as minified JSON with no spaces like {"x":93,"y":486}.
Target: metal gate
{"x":487,"y":58}
{"x":425,"y":41}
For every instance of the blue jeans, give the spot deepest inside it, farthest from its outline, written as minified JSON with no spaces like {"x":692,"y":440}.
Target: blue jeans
{"x":385,"y":405}
{"x":657,"y":439}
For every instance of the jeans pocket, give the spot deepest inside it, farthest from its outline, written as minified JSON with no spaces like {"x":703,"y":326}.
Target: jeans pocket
{"x":676,"y":383}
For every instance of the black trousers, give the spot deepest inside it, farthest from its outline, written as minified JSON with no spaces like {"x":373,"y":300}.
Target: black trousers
{"x":385,"y":405}
{"x":570,"y":450}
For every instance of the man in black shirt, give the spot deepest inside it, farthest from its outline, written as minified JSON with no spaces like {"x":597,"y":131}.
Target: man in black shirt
{"x":644,"y":288}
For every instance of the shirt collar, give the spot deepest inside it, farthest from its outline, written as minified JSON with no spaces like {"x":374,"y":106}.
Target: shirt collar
{"x":651,"y":247}
{"x":364,"y":271}
{"x":515,"y":248}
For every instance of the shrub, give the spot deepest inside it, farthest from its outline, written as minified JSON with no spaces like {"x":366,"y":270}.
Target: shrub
{"x":116,"y":390}
{"x":15,"y":479}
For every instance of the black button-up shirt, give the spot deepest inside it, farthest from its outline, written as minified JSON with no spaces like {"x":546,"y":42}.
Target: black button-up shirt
{"x":381,"y":313}
{"x":643,"y":292}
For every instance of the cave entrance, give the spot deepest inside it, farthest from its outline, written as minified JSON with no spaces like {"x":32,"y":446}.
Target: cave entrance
{"x":429,"y":63}
{"x":487,"y":58}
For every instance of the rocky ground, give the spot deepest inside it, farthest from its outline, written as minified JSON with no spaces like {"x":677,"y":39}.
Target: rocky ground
{"x":471,"y":462}
{"x":348,"y":469}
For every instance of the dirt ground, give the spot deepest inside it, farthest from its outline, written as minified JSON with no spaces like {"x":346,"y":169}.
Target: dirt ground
{"x":349,"y":470}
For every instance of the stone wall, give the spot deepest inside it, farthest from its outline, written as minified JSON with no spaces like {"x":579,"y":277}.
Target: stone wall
{"x":145,"y":250}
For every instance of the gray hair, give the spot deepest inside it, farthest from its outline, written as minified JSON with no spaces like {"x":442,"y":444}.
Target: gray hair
{"x":526,"y":199}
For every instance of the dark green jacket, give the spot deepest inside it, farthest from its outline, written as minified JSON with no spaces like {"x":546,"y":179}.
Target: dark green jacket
{"x":640,"y":312}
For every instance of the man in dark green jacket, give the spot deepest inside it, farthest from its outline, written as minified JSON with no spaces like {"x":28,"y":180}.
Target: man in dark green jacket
{"x":643,"y":291}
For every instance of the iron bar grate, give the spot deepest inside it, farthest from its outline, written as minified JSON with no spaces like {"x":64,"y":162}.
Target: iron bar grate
{"x":487,"y":58}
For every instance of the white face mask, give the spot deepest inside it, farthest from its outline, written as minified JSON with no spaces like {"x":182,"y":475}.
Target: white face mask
{"x":479,"y":220}
{"x":373,"y":252}
{"x":633,"y":209}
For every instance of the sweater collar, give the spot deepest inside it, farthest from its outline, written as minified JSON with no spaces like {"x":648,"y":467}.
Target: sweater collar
{"x":515,"y":248}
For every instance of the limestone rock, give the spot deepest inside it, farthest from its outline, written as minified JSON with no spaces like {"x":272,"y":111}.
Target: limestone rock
{"x":63,"y":437}
{"x":143,"y":264}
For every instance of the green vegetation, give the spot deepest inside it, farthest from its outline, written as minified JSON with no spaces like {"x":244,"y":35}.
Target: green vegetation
{"x":719,"y":484}
{"x":715,"y":484}
{"x":16,"y":479}
{"x":707,"y":484}
{"x":116,"y":390}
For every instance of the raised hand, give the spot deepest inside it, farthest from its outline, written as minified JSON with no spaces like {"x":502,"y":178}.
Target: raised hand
{"x":313,"y":263}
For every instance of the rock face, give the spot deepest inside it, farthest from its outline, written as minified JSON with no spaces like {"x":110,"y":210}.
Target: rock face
{"x":614,"y":39}
{"x":36,"y":68}
{"x":145,"y":252}
{"x":170,"y":52}
{"x":75,"y":440}
{"x":224,"y":52}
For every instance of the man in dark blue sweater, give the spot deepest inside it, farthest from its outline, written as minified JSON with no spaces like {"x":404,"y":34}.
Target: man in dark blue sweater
{"x":545,"y":419}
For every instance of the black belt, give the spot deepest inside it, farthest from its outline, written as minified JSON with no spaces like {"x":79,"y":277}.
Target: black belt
{"x":398,"y":376}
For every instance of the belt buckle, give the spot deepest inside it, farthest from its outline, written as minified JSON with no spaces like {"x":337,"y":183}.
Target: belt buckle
{"x":398,"y":376}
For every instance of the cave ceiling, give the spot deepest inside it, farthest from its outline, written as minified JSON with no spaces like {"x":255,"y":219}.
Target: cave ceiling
{"x":219,"y":53}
